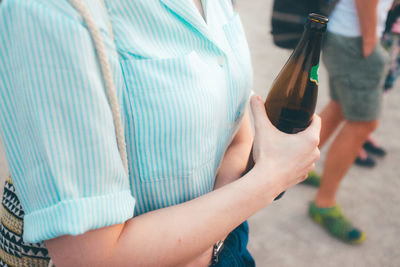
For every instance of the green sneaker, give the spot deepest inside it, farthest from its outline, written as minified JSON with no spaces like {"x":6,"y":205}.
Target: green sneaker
{"x":333,"y":220}
{"x":313,"y":179}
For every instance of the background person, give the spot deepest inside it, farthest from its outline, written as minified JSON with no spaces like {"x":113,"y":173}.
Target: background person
{"x":356,"y":64}
{"x":390,"y":41}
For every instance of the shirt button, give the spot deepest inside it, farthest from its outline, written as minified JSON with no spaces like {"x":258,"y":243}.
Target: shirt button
{"x":221,"y":61}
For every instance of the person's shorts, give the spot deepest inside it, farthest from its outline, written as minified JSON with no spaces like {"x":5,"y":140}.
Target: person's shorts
{"x":355,"y":82}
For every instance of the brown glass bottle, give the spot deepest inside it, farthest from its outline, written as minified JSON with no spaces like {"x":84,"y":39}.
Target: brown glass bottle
{"x":291,"y":101}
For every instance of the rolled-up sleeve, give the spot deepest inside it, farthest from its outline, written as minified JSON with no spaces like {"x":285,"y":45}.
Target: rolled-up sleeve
{"x":56,"y":123}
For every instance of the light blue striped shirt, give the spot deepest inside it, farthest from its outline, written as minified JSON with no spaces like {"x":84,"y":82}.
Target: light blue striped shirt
{"x":182,"y":82}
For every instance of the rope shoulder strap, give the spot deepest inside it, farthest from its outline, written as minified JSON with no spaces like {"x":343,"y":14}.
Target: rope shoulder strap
{"x":111,"y":91}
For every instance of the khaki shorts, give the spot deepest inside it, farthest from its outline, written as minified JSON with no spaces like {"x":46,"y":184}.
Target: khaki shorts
{"x":355,"y":82}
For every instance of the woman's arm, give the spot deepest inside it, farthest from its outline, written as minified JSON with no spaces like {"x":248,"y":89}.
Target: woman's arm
{"x":232,"y":167}
{"x":235,"y":159}
{"x":367,"y":16}
{"x":173,"y":236}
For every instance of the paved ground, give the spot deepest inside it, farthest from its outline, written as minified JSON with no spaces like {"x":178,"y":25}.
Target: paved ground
{"x":281,"y":234}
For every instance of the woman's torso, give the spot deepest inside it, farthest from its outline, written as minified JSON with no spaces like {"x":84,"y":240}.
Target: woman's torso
{"x":182,"y":83}
{"x":185,"y":85}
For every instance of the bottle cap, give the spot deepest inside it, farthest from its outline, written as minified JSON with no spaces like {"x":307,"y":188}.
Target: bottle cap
{"x":318,"y":18}
{"x":317,"y":22}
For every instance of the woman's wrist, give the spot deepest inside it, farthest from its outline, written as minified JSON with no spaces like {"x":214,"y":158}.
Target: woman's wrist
{"x":268,"y":181}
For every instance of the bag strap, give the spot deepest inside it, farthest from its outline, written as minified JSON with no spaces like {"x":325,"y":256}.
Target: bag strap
{"x":108,"y":80}
{"x":111,"y":91}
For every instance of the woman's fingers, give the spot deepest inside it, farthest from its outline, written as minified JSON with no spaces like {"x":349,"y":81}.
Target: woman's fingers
{"x":315,"y":126}
{"x":313,"y":131}
{"x":259,"y":114}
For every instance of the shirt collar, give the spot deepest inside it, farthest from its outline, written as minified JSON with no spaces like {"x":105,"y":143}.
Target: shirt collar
{"x":192,"y":16}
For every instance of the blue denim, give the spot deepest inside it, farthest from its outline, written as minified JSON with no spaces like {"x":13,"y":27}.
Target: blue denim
{"x":235,"y":253}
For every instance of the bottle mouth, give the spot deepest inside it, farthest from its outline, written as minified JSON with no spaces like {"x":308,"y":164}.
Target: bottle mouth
{"x":318,"y":18}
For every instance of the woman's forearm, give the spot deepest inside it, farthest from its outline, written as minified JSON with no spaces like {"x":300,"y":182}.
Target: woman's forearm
{"x":169,"y":236}
{"x":180,"y":233}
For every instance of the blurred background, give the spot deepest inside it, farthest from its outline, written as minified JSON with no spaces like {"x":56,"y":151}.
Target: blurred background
{"x":282,"y":234}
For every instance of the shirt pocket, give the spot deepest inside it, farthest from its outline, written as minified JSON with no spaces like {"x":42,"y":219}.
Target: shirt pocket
{"x":172,"y":104}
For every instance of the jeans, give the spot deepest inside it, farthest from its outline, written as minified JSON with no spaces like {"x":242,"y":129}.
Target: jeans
{"x":235,"y":253}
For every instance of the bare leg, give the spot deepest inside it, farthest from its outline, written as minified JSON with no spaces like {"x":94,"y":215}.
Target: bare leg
{"x":340,"y":157}
{"x":331,"y":117}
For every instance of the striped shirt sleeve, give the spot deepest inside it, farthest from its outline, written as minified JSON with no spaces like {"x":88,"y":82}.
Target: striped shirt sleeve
{"x":56,"y":123}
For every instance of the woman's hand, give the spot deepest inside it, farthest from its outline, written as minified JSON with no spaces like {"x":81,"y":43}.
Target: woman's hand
{"x":289,"y":156}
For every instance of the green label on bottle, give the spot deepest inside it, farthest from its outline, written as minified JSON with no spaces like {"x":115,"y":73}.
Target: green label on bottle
{"x":314,"y":74}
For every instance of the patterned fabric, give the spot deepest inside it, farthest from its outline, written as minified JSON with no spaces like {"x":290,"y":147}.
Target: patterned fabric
{"x":183,"y":85}
{"x":13,"y":250}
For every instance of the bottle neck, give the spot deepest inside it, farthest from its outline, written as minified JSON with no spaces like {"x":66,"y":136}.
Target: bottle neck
{"x":309,"y":46}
